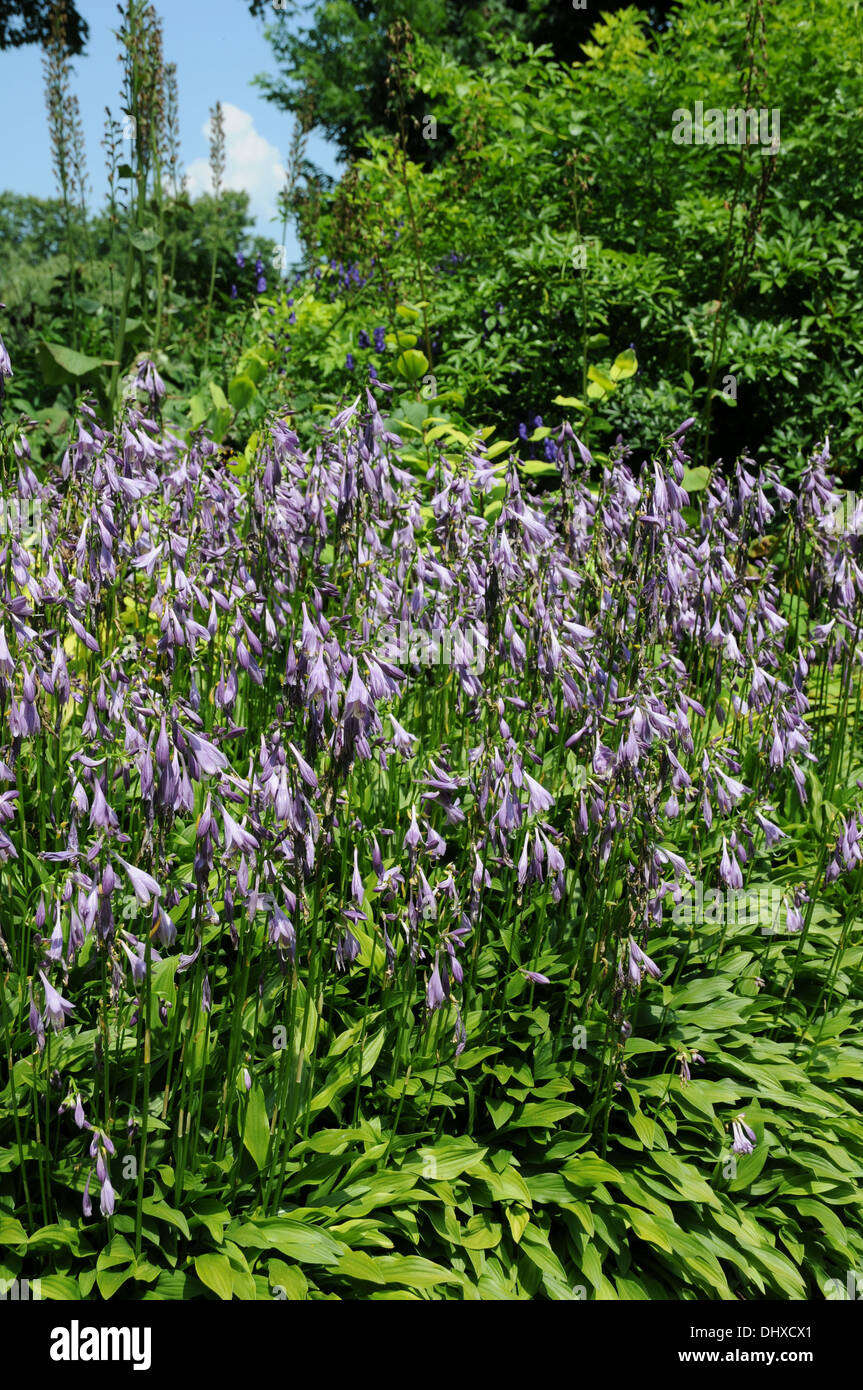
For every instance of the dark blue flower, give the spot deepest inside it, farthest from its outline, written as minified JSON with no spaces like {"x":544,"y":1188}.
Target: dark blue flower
{"x":380,"y":339}
{"x":241,"y":260}
{"x":363,"y":339}
{"x":261,"y":285}
{"x":349,"y":361}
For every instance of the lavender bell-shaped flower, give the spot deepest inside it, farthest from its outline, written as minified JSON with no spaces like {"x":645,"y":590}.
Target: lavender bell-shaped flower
{"x":56,"y":1007}
{"x":744,"y":1137}
{"x":149,"y":381}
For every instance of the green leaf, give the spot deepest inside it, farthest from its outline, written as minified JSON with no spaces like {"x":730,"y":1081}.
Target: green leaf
{"x":413,"y":1270}
{"x":542,"y":1114}
{"x":695,"y":479}
{"x":481,"y":1233}
{"x":145,"y":239}
{"x":287,"y":1281}
{"x":110,"y":1280}
{"x":648,"y":1229}
{"x":589,"y":1171}
{"x":499,"y":448}
{"x":356,"y":1264}
{"x":215,"y":1272}
{"x":154,"y":1206}
{"x":305,"y":1244}
{"x":449,"y":1158}
{"x":11,"y":1231}
{"x":59,"y":364}
{"x":60,"y":1287}
{"x":198,"y":410}
{"x":256,"y":1131}
{"x":242,"y":390}
{"x":220,"y":400}
{"x":412,"y":364}
{"x":624,"y":366}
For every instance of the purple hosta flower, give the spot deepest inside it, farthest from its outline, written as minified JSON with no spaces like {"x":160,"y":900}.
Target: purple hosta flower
{"x":437,"y":990}
{"x":685,"y":1074}
{"x":56,"y":1007}
{"x":481,"y":877}
{"x":7,"y":665}
{"x":308,"y":775}
{"x":187,"y":961}
{"x":358,"y":701}
{"x":380,"y":339}
{"x":106,"y":1197}
{"x":281,"y":931}
{"x":35,"y":1023}
{"x":207,"y":757}
{"x":102,"y":816}
{"x":206,"y":995}
{"x":358,"y":892}
{"x":235,"y":836}
{"x":745,"y":1138}
{"x":772,"y":833}
{"x":729,"y":869}
{"x":86,"y":1204}
{"x":167,"y":930}
{"x":347,"y":949}
{"x":137,"y":955}
{"x":799,"y":781}
{"x":535,"y":977}
{"x":640,"y":962}
{"x":413,"y":835}
{"x":143,"y":885}
{"x":80,"y":1118}
{"x":848,"y":854}
{"x":402,"y":740}
{"x":427,"y":896}
{"x":149,"y":381}
{"x":5,"y":364}
{"x":247,"y":1079}
{"x":539,"y":799}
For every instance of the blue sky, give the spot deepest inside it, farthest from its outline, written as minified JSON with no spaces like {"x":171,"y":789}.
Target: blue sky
{"x":218,"y":48}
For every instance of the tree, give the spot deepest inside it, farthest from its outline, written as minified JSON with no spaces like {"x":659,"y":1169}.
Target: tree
{"x":29,"y":21}
{"x":340,"y":59}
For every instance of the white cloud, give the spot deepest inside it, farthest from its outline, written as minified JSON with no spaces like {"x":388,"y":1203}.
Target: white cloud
{"x":252,"y":165}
